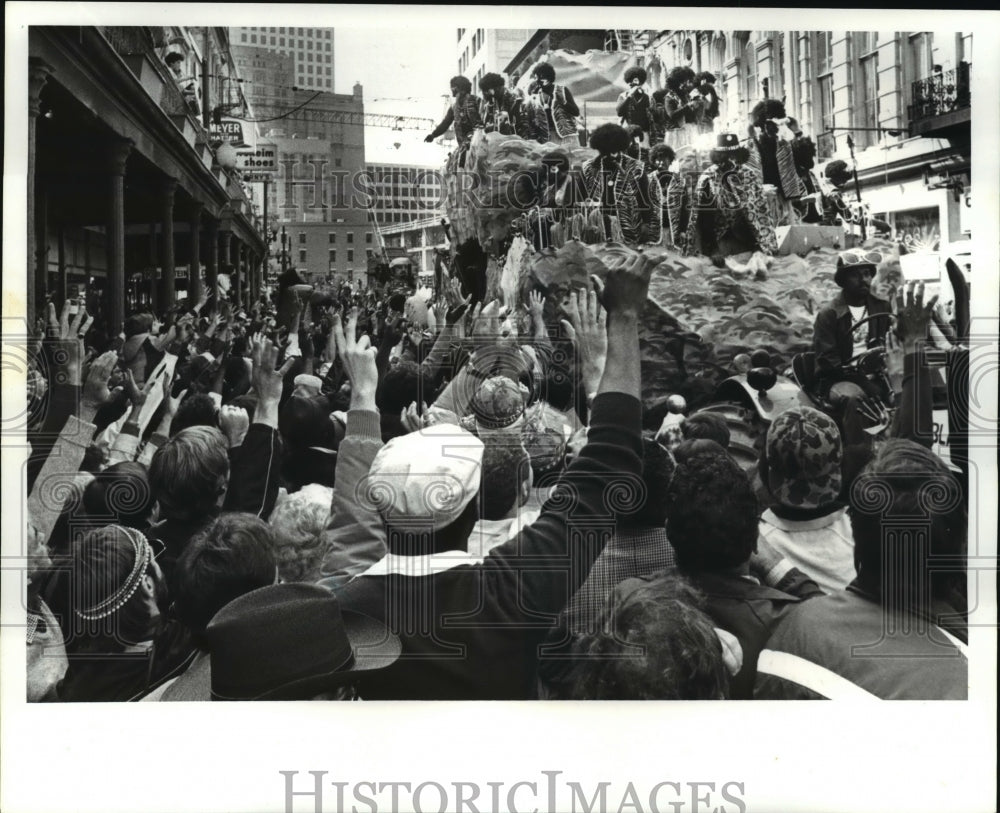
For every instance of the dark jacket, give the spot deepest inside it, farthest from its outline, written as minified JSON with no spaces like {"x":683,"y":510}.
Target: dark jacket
{"x":473,"y":631}
{"x":749,"y":611}
{"x":508,"y":115}
{"x":463,"y":115}
{"x":833,"y":343}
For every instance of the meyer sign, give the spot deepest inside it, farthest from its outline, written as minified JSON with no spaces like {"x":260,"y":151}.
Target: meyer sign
{"x":228,"y":130}
{"x":262,"y":159}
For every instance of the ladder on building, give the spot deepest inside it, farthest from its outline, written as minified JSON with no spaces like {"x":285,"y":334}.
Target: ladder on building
{"x":633,"y":41}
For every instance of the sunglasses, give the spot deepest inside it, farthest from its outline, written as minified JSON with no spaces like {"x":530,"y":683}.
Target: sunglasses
{"x":860,"y":258}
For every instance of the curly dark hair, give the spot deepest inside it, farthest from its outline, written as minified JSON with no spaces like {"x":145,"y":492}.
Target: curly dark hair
{"x":678,"y":76}
{"x":659,"y":95}
{"x":707,"y":426}
{"x":609,"y":138}
{"x":712,"y":511}
{"x":837,"y":172}
{"x":460,"y":82}
{"x":491,"y":81}
{"x":636,"y":73}
{"x":767,"y":109}
{"x":738,"y":156}
{"x":705,"y":76}
{"x":544,"y":71}
{"x":653,"y":641}
{"x":662,"y":152}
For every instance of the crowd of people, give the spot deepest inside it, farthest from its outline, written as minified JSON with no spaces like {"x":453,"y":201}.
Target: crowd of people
{"x":394,"y":496}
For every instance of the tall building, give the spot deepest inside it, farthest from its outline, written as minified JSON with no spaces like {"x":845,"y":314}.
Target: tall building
{"x":487,"y":50}
{"x":310,"y":48}
{"x":268,"y":79}
{"x":404,"y":193}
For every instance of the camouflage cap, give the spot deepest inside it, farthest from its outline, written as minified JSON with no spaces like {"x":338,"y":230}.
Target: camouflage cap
{"x":804,"y":453}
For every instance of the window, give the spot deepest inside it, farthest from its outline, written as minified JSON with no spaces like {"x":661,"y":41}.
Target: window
{"x":253,"y":38}
{"x":328,"y":47}
{"x":751,"y":93}
{"x":368,"y":237}
{"x":338,"y":162}
{"x":825,"y":142}
{"x":281,"y":41}
{"x":272,"y":40}
{"x":333,"y":237}
{"x":867,"y":110}
{"x":824,"y":52}
{"x":350,"y":255}
{"x":302,"y":255}
{"x":333,"y":255}
{"x":369,"y":253}
{"x":350,"y":237}
{"x":243,"y":37}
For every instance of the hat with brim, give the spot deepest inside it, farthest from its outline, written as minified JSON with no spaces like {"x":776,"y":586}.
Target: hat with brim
{"x":292,"y":642}
{"x":727,"y":142}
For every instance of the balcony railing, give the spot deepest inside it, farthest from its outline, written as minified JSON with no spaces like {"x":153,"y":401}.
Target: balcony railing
{"x":941,"y":93}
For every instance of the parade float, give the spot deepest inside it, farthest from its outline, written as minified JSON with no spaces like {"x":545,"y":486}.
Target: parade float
{"x":712,"y":325}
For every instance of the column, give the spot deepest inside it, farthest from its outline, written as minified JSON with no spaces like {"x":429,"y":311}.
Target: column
{"x":238,"y":273}
{"x":118,"y":153}
{"x":150,"y":278}
{"x":225,"y":252}
{"x":168,"y":265}
{"x":38,"y":73}
{"x":212,"y":260}
{"x":194,"y":272}
{"x":63,"y":287}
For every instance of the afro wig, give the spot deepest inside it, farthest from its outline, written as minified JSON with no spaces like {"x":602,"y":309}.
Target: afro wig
{"x":491,"y":81}
{"x":635,"y":73}
{"x":705,"y":76}
{"x":837,"y":173}
{"x":610,"y":138}
{"x":544,"y":71}
{"x":678,"y":77}
{"x":664,"y":153}
{"x":659,"y":95}
{"x":460,"y":82}
{"x":767,"y":109}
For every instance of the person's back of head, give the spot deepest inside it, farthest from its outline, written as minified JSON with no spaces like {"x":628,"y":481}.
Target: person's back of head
{"x":426,"y":485}
{"x":801,"y":459}
{"x":231,"y":557}
{"x":297,"y":523}
{"x":118,"y":591}
{"x":197,"y":409}
{"x":711,"y":509}
{"x":908,"y":518}
{"x":653,"y":641}
{"x":506,"y":481}
{"x":706,"y":426}
{"x":189,"y":473}
{"x":403,"y":385}
{"x":120,"y":494}
{"x":657,"y":472}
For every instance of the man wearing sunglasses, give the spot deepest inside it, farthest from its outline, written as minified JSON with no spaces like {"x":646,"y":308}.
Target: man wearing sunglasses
{"x":852,"y":323}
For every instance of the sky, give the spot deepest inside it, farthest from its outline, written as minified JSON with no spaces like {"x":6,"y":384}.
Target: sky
{"x":402,"y":73}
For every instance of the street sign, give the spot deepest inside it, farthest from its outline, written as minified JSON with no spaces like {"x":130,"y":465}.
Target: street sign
{"x":228,"y":130}
{"x":260,"y":160}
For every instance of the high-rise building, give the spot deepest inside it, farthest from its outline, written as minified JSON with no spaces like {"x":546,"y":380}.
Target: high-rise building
{"x":487,"y":50}
{"x":310,"y":48}
{"x":403,"y":193}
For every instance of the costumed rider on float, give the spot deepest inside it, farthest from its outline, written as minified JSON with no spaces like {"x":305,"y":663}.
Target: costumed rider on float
{"x":634,"y":105}
{"x":621,"y":202}
{"x":463,"y":115}
{"x":848,"y":347}
{"x":502,"y":111}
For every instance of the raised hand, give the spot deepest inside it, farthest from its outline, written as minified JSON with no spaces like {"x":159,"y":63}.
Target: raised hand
{"x":913,"y":316}
{"x":874,"y":416}
{"x":624,"y":289}
{"x":95,"y":389}
{"x":267,"y":381}
{"x":234,"y":423}
{"x":358,"y":357}
{"x":587,"y":327}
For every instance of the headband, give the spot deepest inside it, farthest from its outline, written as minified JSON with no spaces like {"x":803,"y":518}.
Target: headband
{"x":118,"y":599}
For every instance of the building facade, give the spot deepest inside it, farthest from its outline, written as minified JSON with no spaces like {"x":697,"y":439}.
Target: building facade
{"x":487,"y":50}
{"x":419,"y":239}
{"x":128,"y":205}
{"x":403,"y":193}
{"x":311,"y":50}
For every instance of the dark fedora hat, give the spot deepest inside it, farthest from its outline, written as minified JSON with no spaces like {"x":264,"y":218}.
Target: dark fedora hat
{"x":727,"y":141}
{"x":292,"y":642}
